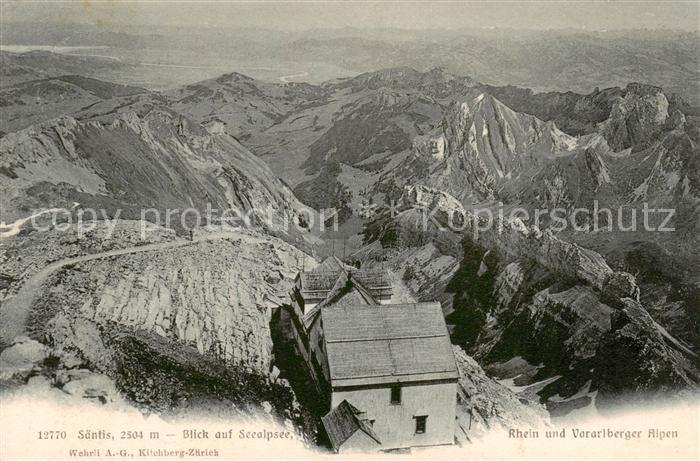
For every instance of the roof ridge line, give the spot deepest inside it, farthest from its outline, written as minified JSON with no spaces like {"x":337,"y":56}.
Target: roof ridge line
{"x":397,"y":374}
{"x":386,"y":339}
{"x":389,"y":306}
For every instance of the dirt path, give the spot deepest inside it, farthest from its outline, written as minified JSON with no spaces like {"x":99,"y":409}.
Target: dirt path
{"x":12,"y":229}
{"x":15,"y":311}
{"x":401,"y":292}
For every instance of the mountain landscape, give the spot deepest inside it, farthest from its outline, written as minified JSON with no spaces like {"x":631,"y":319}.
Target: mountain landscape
{"x":178,"y":316}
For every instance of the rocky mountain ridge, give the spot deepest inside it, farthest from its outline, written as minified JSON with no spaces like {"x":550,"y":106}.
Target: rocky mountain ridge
{"x":480,"y":144}
{"x":158,"y":160}
{"x":514,"y":292}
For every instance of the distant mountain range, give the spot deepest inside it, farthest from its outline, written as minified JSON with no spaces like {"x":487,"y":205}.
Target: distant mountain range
{"x":549,"y":60}
{"x":564,"y":302}
{"x":364,"y":138}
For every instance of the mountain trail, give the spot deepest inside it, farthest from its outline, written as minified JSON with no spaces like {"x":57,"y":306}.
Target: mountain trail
{"x":15,"y":311}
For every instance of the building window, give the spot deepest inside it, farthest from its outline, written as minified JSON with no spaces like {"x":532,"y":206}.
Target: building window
{"x":421,"y":422}
{"x":396,"y":395}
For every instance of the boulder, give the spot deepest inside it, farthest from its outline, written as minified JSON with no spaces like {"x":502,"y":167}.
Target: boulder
{"x":89,"y":385}
{"x":21,"y":358}
{"x":267,"y":407}
{"x":617,"y":286}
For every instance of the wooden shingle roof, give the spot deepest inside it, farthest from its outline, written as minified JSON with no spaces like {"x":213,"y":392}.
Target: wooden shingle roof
{"x":331,"y":264}
{"x":317,"y":283}
{"x":345,"y":292}
{"x":343,"y":421}
{"x":373,"y":279}
{"x":393,"y":343}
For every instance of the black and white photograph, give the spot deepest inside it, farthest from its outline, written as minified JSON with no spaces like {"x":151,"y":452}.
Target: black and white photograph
{"x":349,"y":230}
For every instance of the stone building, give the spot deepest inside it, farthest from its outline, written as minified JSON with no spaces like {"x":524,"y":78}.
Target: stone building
{"x":386,"y":371}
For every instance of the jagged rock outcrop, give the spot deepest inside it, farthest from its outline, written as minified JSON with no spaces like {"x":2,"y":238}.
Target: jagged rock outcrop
{"x":618,"y":286}
{"x":639,"y":350}
{"x":196,"y":294}
{"x":515,"y":240}
{"x":636,"y":118}
{"x":522,"y":292}
{"x":569,"y":320}
{"x":483,"y":404}
{"x":481,"y":143}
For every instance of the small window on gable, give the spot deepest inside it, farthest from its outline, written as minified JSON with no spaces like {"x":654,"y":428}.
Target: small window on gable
{"x":396,"y":395}
{"x":421,"y":422}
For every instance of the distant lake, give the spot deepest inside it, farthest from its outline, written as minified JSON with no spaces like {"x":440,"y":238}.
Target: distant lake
{"x":160,"y":69}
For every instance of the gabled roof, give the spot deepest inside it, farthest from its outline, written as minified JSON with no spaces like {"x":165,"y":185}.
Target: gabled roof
{"x":343,"y":421}
{"x":311,"y":316}
{"x":345,"y":292}
{"x":318,"y":282}
{"x":348,"y":291}
{"x":393,"y":343}
{"x":331,"y":264}
{"x":373,"y":279}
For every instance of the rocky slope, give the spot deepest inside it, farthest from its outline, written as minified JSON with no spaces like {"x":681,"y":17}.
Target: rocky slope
{"x":194,"y":294}
{"x":39,"y":100}
{"x":128,"y":161}
{"x":193,"y":385}
{"x":513,"y":293}
{"x":484,"y":404}
{"x":171,"y":328}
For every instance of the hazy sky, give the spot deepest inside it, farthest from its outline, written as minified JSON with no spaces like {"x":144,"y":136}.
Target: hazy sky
{"x":598,"y":15}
